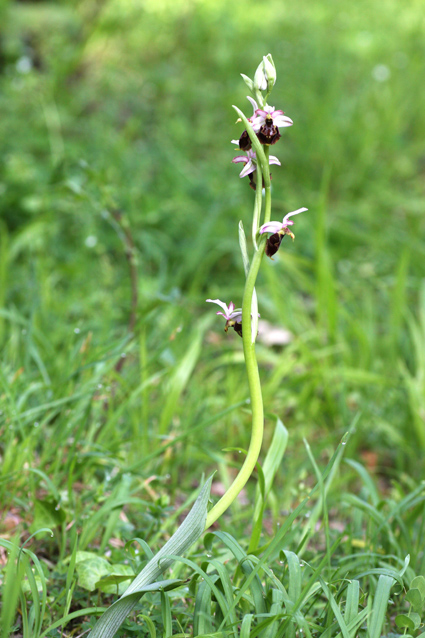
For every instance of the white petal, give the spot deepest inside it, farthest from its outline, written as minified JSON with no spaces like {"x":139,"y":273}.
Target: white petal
{"x":235,"y":142}
{"x":295,"y":212}
{"x":221,"y":304}
{"x":273,"y":160}
{"x":247,"y":169}
{"x":281,"y":121}
{"x":253,"y":102}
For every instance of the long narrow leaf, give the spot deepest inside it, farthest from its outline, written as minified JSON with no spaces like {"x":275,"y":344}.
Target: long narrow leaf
{"x":352,"y":602}
{"x":189,"y":532}
{"x":379,"y":608}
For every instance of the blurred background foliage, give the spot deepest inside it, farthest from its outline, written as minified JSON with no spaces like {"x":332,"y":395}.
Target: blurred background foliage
{"x":116,"y":116}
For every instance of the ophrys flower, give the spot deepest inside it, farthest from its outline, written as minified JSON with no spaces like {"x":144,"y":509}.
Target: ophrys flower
{"x":278,"y":230}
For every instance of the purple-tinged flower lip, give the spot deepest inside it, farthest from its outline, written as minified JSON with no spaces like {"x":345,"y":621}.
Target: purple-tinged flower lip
{"x":277,"y":227}
{"x":240,"y":158}
{"x":250,"y":155}
{"x":271,"y":227}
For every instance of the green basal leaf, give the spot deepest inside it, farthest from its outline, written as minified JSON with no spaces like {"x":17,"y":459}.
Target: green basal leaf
{"x":187,"y":534}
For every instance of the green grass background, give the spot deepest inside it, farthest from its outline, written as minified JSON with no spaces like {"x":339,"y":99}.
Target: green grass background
{"x":126,"y":106}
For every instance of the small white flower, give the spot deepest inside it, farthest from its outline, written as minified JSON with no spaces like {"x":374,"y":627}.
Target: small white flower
{"x":230,"y":314}
{"x":233,"y":317}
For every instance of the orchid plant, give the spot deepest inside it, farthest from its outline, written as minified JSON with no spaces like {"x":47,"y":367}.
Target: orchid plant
{"x":261,"y":131}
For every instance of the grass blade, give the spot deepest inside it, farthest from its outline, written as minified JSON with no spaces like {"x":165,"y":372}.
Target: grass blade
{"x":379,"y":607}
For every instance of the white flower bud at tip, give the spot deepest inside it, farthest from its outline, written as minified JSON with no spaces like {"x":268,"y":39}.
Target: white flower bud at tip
{"x":270,"y":71}
{"x":260,"y":79}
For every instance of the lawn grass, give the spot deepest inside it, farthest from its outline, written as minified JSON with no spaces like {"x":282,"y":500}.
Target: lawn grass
{"x":115,"y":144}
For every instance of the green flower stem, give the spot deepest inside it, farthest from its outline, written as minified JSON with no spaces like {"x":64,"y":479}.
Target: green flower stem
{"x":257,"y":216}
{"x":254,"y":383}
{"x":255,"y":394}
{"x":258,"y":148}
{"x":267,"y":187}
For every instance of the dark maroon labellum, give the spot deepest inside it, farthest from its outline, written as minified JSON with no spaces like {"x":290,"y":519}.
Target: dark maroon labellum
{"x":273,"y":244}
{"x":245,"y":142}
{"x":253,"y":180}
{"x":238,"y":328}
{"x":268,"y":133}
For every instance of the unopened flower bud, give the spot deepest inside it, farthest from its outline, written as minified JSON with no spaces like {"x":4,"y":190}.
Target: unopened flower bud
{"x":270,"y":71}
{"x":260,"y":78}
